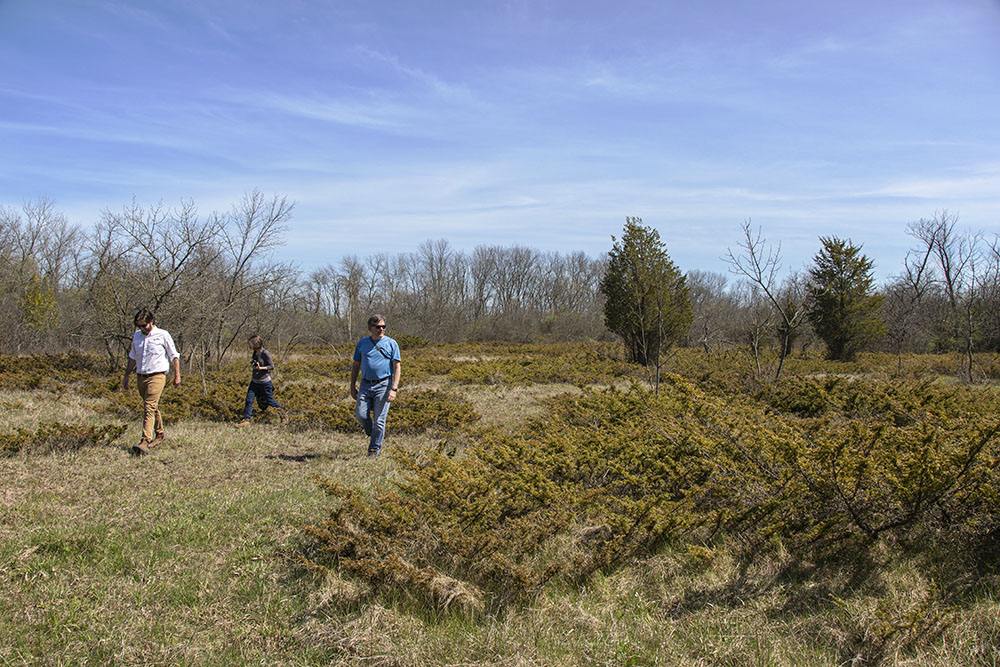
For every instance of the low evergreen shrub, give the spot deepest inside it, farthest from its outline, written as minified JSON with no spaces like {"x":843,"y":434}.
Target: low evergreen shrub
{"x":54,"y":437}
{"x":605,"y":476}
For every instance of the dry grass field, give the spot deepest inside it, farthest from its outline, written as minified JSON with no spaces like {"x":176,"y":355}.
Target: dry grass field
{"x":196,"y":555}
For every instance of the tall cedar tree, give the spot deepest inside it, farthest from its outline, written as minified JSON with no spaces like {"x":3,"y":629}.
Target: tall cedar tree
{"x":648,"y":304}
{"x":843,"y":306}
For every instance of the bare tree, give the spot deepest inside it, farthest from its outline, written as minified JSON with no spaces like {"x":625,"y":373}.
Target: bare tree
{"x":713,"y":309}
{"x":753,"y":323}
{"x":39,"y":250}
{"x":143,"y":257}
{"x":956,"y":256}
{"x":249,"y":233}
{"x":435,"y":290}
{"x":990,"y":294}
{"x":47,"y":238}
{"x":760,"y":264}
{"x":904,"y":294}
{"x":352,"y":283}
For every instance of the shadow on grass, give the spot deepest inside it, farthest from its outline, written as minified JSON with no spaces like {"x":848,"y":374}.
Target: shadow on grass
{"x":304,"y":458}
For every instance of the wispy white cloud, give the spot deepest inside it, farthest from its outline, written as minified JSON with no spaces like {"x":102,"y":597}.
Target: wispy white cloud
{"x":981,"y":182}
{"x":97,"y":133}
{"x":370,"y":114}
{"x":427,"y":79}
{"x":807,"y":55}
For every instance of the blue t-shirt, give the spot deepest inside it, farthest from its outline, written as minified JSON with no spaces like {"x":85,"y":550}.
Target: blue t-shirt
{"x":376,"y":363}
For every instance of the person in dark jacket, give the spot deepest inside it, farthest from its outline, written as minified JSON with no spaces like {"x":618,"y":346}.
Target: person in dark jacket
{"x":261,"y":386}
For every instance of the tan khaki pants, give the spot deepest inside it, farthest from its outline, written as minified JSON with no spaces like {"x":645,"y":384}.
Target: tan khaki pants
{"x":150,"y":387}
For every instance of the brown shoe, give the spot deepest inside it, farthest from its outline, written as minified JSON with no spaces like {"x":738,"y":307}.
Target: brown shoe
{"x":241,"y":424}
{"x":141,"y":449}
{"x":160,"y":437}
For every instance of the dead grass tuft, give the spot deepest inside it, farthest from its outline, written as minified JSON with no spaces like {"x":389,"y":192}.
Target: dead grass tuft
{"x":381,"y":636}
{"x":337,"y":592}
{"x":449,"y":593}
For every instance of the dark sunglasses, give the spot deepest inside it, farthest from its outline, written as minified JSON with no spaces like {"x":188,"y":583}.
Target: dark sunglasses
{"x":377,"y":326}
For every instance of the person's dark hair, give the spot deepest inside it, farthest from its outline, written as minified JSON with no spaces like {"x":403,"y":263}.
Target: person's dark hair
{"x":255,"y":341}
{"x":146,"y":314}
{"x":375,"y":319}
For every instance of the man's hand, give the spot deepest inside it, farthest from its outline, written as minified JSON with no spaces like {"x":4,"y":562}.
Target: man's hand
{"x":391,"y":396}
{"x":177,"y":380}
{"x":354,"y":392}
{"x":125,"y":383}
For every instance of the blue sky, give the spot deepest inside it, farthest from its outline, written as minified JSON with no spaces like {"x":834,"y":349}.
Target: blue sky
{"x":541,"y":122}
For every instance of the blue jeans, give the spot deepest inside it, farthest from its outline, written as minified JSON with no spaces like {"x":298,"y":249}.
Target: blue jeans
{"x":371,"y":410}
{"x":264,"y":392}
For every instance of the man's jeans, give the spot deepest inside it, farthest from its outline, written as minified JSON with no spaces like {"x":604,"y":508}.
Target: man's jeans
{"x":150,"y":388}
{"x":371,"y":410}
{"x":264,"y":392}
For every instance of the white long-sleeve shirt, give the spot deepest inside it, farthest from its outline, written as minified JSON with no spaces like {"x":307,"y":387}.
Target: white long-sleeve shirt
{"x":152,"y":353}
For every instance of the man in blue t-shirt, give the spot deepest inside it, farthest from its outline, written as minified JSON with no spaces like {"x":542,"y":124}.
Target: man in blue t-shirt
{"x":376,"y":360}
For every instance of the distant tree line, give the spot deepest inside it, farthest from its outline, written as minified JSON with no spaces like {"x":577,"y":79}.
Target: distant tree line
{"x":213,"y":280}
{"x":439,"y":293}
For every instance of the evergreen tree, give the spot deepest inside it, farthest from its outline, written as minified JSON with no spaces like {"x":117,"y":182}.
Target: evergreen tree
{"x":843,"y":306}
{"x":647,"y":296}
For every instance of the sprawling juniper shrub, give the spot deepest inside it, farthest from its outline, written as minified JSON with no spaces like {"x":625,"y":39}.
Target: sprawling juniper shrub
{"x":898,"y":401}
{"x":413,"y":412}
{"x":54,"y":372}
{"x":222,"y":402}
{"x":53,"y":437}
{"x":535,"y":364}
{"x":314,"y":368}
{"x":606,"y":475}
{"x":410,"y":341}
{"x":600,"y":478}
{"x":914,"y":460}
{"x":423,"y":364}
{"x":418,"y":363}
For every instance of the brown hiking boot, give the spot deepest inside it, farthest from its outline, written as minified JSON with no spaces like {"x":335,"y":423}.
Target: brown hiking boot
{"x":242,"y":423}
{"x":160,"y":437}
{"x":141,"y":449}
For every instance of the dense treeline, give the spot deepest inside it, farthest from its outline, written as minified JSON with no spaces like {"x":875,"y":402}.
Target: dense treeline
{"x":213,"y":280}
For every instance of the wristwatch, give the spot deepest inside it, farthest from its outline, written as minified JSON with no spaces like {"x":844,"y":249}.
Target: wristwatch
{"x":394,"y":389}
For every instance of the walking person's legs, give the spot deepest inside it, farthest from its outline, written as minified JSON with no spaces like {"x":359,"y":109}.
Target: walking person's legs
{"x":265,"y":398}
{"x":371,"y":411}
{"x":248,"y":405}
{"x":150,"y":388}
{"x":263,"y":393}
{"x":380,"y":410}
{"x":362,"y":409}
